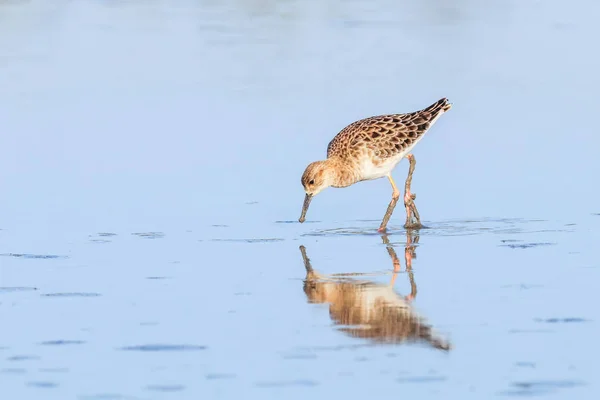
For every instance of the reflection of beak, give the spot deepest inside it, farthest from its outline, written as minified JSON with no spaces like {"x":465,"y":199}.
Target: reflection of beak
{"x":307,"y":200}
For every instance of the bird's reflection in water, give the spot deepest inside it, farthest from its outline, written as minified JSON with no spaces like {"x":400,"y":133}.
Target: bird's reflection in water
{"x":371,"y":310}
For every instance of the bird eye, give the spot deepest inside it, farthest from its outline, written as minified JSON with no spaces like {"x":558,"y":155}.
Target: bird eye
{"x":312,"y":182}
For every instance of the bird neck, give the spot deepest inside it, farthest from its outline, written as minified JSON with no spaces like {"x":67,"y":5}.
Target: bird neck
{"x":341,"y":173}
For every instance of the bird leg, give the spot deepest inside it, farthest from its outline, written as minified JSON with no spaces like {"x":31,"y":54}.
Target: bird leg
{"x":413,"y":220}
{"x":391,"y":206}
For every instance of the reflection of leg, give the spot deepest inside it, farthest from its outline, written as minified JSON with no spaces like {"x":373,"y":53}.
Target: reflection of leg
{"x":394,"y":258}
{"x":391,"y":206}
{"x":413,"y":220}
{"x":409,"y":254}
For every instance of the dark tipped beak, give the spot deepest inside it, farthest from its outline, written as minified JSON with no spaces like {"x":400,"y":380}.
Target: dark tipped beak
{"x":307,"y":200}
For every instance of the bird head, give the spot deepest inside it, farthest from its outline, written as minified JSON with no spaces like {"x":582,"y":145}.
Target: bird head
{"x":315,"y":178}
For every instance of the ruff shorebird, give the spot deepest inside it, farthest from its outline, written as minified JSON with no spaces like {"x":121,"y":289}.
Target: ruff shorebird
{"x":370,"y":149}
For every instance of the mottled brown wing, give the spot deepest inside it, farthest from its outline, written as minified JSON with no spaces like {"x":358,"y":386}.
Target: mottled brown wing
{"x":385,"y":135}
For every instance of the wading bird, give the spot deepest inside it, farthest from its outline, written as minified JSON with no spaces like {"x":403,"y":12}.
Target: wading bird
{"x":370,"y":149}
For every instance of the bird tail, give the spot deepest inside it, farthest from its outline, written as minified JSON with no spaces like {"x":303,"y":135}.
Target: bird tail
{"x":440,"y":106}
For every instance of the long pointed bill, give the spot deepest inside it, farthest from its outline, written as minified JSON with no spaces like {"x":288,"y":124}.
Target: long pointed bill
{"x":307,"y":200}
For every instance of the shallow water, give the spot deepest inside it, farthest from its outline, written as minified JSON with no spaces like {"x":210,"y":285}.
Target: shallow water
{"x":150,"y":164}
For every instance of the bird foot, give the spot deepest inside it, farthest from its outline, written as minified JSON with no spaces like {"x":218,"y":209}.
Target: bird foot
{"x":412,"y":215}
{"x":413,"y":225}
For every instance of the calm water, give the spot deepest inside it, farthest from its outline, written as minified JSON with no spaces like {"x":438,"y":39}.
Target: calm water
{"x":150,"y":162}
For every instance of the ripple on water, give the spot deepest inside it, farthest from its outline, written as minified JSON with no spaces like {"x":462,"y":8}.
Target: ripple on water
{"x":446,"y":228}
{"x":54,"y":370}
{"x":519,"y":331}
{"x":296,"y":222}
{"x":291,"y":383}
{"x":527,"y":245}
{"x":163,"y":347}
{"x":34,"y":256}
{"x":61,"y":342}
{"x":165,"y":388}
{"x":10,"y":289}
{"x":540,"y":387}
{"x":568,"y":320}
{"x":42,"y":385}
{"x":23,"y":357}
{"x":266,"y":240}
{"x":349,"y":231}
{"x":523,"y":286}
{"x":72,"y":294}
{"x":104,"y":396}
{"x":18,"y":371}
{"x":213,"y":376}
{"x":421,"y":379}
{"x":103,"y":237}
{"x":149,"y":235}
{"x":525,"y":364}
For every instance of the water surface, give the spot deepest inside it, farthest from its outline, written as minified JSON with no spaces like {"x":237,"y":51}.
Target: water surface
{"x":150,"y":163}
